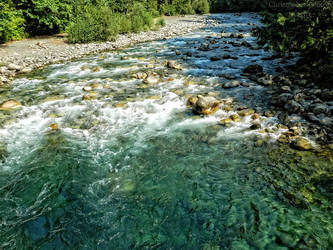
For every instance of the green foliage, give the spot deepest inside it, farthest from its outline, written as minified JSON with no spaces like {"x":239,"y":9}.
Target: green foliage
{"x":96,"y":23}
{"x":238,"y":5}
{"x":45,"y":16}
{"x":306,"y":27}
{"x":161,"y":22}
{"x":201,"y":6}
{"x":11,"y":23}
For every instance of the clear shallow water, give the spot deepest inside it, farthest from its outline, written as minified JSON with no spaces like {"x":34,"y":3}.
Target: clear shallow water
{"x":135,"y":169}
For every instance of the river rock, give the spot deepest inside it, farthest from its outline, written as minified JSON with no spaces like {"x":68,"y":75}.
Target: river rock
{"x":10,"y":105}
{"x":226,"y":121}
{"x":90,"y":96}
{"x":293,"y":107}
{"x":54,"y":126}
{"x":245,"y":112}
{"x":253,"y":69}
{"x":235,"y":118}
{"x":140,"y":75}
{"x":13,"y":66}
{"x":206,"y":105}
{"x":151,"y":79}
{"x":215,"y":58}
{"x":172,"y":64}
{"x":191,"y":101}
{"x":320,"y":108}
{"x":26,"y":70}
{"x":231,"y":84}
{"x":255,"y":126}
{"x":301,"y":143}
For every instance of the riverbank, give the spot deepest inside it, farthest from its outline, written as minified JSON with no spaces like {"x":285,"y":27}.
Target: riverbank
{"x":29,"y":54}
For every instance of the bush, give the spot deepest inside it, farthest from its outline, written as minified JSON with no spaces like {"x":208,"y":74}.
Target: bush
{"x":96,"y":23}
{"x":11,"y":23}
{"x":160,"y":22}
{"x":305,"y":27}
{"x":201,"y":6}
{"x":45,"y":17}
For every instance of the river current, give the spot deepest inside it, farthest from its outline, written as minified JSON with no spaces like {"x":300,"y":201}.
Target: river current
{"x":131,"y":167}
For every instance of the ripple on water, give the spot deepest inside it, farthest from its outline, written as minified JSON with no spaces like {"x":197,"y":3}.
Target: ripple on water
{"x":135,"y":169}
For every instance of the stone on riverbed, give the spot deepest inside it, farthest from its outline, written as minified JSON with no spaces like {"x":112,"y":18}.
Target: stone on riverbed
{"x":226,"y":121}
{"x":231,"y":84}
{"x":151,"y":79}
{"x":301,"y":143}
{"x":205,"y":105}
{"x":253,"y":69}
{"x":174,"y":65}
{"x":10,"y":105}
{"x":90,"y":96}
{"x":246,"y":112}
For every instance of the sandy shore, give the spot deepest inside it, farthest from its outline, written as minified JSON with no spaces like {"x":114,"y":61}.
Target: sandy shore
{"x":29,"y":54}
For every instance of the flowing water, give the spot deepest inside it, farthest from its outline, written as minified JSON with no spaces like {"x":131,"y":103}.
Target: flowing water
{"x":136,"y":169}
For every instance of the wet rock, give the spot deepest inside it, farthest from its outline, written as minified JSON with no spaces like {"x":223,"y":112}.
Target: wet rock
{"x":231,"y":84}
{"x":87,"y":88}
{"x":3,"y":79}
{"x":96,"y":69}
{"x":227,"y":108}
{"x":255,"y":116}
{"x":227,"y":57}
{"x":10,"y":105}
{"x":90,"y":96}
{"x":253,"y":69}
{"x":226,"y":121}
{"x":191,"y":101}
{"x":320,"y":108}
{"x":206,"y":105}
{"x":259,"y":143}
{"x":178,"y":53}
{"x":151,"y":79}
{"x":54,"y":126}
{"x":140,"y":75}
{"x":293,"y":107}
{"x":215,"y":58}
{"x":301,"y":143}
{"x":265,"y":80}
{"x":246,"y":44}
{"x":235,"y":118}
{"x":268,"y":113}
{"x":245,"y":112}
{"x":255,"y":126}
{"x":174,"y":65}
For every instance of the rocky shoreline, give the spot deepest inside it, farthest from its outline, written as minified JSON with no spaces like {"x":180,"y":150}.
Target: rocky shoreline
{"x":32,"y":54}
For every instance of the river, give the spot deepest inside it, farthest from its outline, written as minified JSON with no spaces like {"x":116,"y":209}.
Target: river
{"x":97,"y":159}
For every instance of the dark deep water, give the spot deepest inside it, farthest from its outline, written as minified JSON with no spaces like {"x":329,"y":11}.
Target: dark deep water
{"x":135,"y":169}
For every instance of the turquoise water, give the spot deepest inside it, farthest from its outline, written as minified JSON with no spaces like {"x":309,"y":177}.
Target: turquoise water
{"x":135,"y":169}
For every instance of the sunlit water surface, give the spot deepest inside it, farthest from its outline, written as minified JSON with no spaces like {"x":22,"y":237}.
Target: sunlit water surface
{"x":135,"y":169}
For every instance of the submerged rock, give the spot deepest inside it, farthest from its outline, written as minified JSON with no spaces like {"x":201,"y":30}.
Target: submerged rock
{"x":54,"y":126}
{"x":206,"y":105}
{"x":253,"y":69}
{"x":10,"y":105}
{"x":231,"y":84}
{"x":90,"y":96}
{"x":151,"y":79}
{"x":226,"y":121}
{"x":246,"y":112}
{"x":174,"y":65}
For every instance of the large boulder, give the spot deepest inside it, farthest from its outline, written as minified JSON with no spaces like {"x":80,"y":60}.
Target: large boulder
{"x":206,"y":105}
{"x":10,"y":105}
{"x":301,"y":143}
